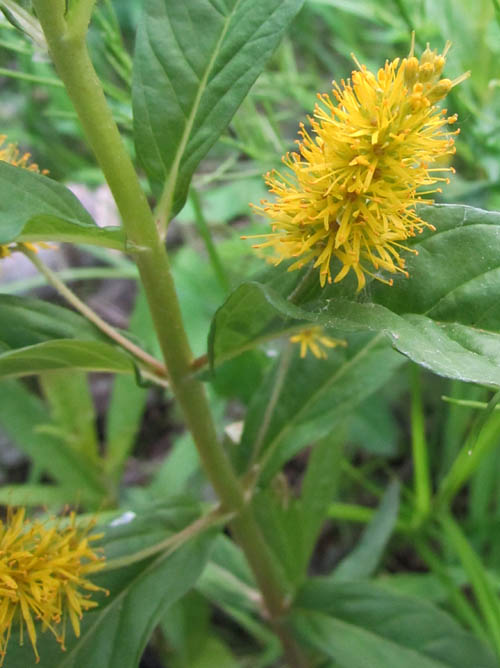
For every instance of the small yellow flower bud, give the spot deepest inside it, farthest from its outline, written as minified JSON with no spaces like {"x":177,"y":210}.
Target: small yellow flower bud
{"x":427,"y":56}
{"x":411,"y":70}
{"x":425,"y":72}
{"x":440,"y":90}
{"x":439,"y":63}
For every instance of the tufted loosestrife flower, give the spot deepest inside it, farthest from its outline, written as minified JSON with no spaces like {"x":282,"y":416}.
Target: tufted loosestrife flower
{"x":315,"y":340}
{"x":43,"y":577}
{"x":348,"y":200}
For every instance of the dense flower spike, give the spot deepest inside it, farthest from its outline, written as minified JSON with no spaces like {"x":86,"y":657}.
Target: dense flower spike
{"x":43,"y":576}
{"x":350,"y":197}
{"x":315,"y":340}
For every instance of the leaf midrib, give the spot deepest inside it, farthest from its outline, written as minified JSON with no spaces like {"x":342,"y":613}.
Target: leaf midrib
{"x":456,"y":288}
{"x":111,"y":607}
{"x":166,"y":199}
{"x":315,"y":396}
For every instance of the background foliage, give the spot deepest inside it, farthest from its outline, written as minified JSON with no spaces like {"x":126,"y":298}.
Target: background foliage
{"x":378,"y":490}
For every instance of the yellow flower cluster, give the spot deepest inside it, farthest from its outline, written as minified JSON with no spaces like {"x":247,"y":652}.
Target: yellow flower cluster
{"x":10,"y":153}
{"x":7,"y":249}
{"x":315,"y":340}
{"x":43,"y":576}
{"x":349,"y":200}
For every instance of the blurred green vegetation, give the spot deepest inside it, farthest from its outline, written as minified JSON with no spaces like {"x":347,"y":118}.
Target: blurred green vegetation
{"x":209,"y":257}
{"x":317,"y":49}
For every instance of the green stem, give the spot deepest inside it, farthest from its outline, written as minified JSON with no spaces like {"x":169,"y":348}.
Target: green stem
{"x":32,"y":78}
{"x":279,"y":380}
{"x":79,"y":14}
{"x":204,"y":232}
{"x":467,"y":403}
{"x":462,"y":606}
{"x":423,"y":492}
{"x":68,"y":275}
{"x":484,"y":591}
{"x":171,"y":543}
{"x":74,"y":66}
{"x":350,"y":512}
{"x":481,"y":440}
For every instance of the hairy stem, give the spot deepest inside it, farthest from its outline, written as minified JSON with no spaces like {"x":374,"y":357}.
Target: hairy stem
{"x":170,"y":544}
{"x":70,"y":56}
{"x":79,"y":14}
{"x":206,"y":235}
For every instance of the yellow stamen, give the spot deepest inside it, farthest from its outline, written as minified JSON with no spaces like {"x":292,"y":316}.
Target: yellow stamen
{"x":314,"y":339}
{"x":44,"y":572}
{"x":350,"y":195}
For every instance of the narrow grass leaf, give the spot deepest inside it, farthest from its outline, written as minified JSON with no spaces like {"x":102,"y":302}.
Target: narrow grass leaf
{"x":23,"y":416}
{"x":485,"y":593}
{"x":363,"y":561}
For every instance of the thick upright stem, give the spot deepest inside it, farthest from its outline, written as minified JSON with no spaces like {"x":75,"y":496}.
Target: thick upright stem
{"x":70,"y":56}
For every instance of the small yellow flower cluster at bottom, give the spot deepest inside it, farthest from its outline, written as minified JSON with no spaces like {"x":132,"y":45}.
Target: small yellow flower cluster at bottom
{"x":43,"y":576}
{"x":313,"y":339}
{"x":6,"y":250}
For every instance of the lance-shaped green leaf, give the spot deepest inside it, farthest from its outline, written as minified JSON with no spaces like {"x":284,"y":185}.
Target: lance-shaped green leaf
{"x":456,"y":274}
{"x":45,"y":496}
{"x":363,"y":625}
{"x":194,"y":63}
{"x":36,"y":208}
{"x":23,"y":417}
{"x":301,"y":399}
{"x":365,"y":557}
{"x":251,"y":315}
{"x":65,"y":354}
{"x":445,"y":316}
{"x":25,"y":321}
{"x":291,"y":525}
